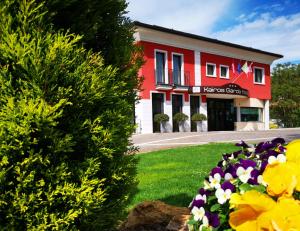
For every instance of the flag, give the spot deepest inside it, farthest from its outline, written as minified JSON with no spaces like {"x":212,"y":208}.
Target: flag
{"x":245,"y":68}
{"x":239,"y":68}
{"x":250,"y":67}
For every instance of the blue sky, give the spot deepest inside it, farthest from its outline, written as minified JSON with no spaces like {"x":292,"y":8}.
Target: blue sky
{"x":268,"y":25}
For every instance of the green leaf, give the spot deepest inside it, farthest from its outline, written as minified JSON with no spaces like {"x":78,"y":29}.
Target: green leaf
{"x":245,"y":187}
{"x":215,"y":207}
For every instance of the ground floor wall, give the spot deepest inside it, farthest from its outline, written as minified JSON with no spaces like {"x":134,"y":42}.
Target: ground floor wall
{"x":145,"y":110}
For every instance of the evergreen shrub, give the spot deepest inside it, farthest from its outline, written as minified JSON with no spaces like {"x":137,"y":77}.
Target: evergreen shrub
{"x":198,"y":117}
{"x":158,"y":118}
{"x":65,"y":121}
{"x":180,"y":117}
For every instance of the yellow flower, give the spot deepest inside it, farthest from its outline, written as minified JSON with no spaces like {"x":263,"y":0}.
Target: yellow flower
{"x":281,"y":178}
{"x":249,"y":206}
{"x":293,"y":151}
{"x":257,"y":211}
{"x":284,"y":216}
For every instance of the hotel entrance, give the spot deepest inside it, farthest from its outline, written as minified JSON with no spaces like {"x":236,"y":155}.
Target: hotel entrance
{"x":221,"y":114}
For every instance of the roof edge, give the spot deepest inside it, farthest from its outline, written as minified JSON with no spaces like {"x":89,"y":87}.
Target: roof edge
{"x":206,"y":39}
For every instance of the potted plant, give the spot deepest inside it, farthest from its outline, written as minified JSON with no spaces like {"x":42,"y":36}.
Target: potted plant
{"x":180,"y":118}
{"x":198,"y":118}
{"x":162,"y":119}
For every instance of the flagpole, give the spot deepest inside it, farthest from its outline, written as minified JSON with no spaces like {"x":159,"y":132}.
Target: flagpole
{"x":237,"y":77}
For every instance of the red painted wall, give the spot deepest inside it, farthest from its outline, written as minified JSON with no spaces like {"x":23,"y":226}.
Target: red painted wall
{"x":148,"y":68}
{"x":245,"y":81}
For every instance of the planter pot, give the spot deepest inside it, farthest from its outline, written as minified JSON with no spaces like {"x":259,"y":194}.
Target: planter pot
{"x":163,"y":127}
{"x":199,"y":126}
{"x":181,"y":126}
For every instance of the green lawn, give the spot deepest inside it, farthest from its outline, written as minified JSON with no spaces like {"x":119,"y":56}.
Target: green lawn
{"x":174,"y":175}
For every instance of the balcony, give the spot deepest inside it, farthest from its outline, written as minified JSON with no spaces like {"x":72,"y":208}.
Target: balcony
{"x":178,"y":81}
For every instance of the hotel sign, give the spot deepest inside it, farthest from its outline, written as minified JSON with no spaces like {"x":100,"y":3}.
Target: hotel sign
{"x":229,"y":89}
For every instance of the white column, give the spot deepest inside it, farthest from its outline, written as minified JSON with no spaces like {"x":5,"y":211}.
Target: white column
{"x":203,"y":110}
{"x":143,"y":112}
{"x":267,"y":114}
{"x":197,"y":68}
{"x":186,"y":110}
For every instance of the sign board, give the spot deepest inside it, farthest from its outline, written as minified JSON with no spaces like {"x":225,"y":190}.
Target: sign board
{"x":229,"y":89}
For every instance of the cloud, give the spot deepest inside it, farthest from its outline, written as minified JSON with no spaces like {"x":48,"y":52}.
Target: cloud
{"x":192,"y":16}
{"x":279,"y":34}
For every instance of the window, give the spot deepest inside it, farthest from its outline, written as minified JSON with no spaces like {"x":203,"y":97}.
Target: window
{"x":177,"y":69}
{"x":161,"y":68}
{"x":224,"y":72}
{"x":259,"y":75}
{"x":250,"y":114}
{"x":211,"y":69}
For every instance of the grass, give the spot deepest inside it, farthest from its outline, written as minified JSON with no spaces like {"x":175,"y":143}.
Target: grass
{"x":175,"y":175}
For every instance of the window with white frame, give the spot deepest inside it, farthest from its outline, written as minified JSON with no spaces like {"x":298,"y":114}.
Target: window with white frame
{"x":211,"y":69}
{"x":259,"y":75}
{"x":177,"y":62}
{"x":160,"y":67}
{"x":224,"y":72}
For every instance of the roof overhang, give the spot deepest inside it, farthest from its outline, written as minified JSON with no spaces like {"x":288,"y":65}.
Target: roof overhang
{"x":161,"y":35}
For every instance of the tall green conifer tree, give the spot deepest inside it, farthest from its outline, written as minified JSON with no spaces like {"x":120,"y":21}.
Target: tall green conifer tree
{"x":65,"y":120}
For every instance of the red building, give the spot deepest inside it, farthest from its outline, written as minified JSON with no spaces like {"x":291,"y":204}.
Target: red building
{"x":187,"y":73}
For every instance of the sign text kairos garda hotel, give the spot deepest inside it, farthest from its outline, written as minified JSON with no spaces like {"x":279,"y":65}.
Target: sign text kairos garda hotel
{"x":230,"y":89}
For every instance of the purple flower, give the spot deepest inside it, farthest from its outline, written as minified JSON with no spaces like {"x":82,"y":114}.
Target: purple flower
{"x":231,"y":170}
{"x":247,"y":163}
{"x":266,"y":155}
{"x":263,"y":166}
{"x":242,"y":144}
{"x":203,"y":191}
{"x":213,"y":219}
{"x":217,"y":170}
{"x":254,"y":174}
{"x":278,"y":141}
{"x":228,"y":185}
{"x":197,"y":203}
{"x":268,"y":145}
{"x":281,"y":148}
{"x":258,"y":148}
{"x":265,"y":146}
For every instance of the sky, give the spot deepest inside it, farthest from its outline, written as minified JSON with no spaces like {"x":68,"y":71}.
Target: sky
{"x":268,"y":25}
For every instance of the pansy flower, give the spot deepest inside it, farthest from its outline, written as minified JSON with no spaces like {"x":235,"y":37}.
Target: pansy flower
{"x":198,"y":213}
{"x":223,"y":194}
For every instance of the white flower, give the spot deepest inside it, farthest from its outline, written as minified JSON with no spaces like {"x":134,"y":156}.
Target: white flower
{"x":276,"y":160}
{"x":206,"y":184}
{"x":260,"y":180}
{"x":201,"y":197}
{"x":198,"y":213}
{"x":223,"y":195}
{"x":244,"y":174}
{"x":214,"y":182}
{"x":231,"y":157}
{"x":205,"y":224}
{"x":228,"y":176}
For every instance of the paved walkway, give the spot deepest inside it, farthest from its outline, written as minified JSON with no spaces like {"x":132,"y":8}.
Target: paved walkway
{"x":157,"y":141}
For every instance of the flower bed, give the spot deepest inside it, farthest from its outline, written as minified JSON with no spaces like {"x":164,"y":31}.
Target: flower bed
{"x":256,"y":188}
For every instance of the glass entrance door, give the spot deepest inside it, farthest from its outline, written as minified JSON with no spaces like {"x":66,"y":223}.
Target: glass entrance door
{"x":157,"y":108}
{"x":221,"y":114}
{"x":176,"y":107}
{"x":195,"y":105}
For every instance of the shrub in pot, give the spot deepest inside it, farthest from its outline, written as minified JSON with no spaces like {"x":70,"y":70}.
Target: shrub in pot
{"x":198,"y":118}
{"x":162,"y":119}
{"x":180,"y":118}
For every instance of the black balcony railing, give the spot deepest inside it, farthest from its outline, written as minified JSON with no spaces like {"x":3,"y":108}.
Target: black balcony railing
{"x":172,"y":78}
